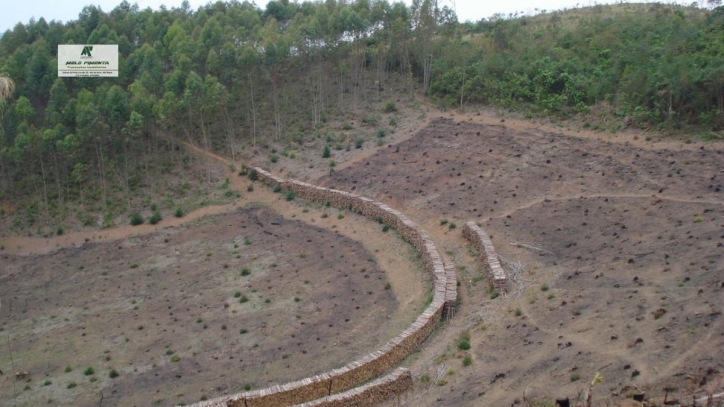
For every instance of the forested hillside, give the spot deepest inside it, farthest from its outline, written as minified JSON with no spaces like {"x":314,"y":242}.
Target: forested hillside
{"x":229,"y":75}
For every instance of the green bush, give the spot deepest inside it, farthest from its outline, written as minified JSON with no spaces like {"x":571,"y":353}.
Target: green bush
{"x":467,"y":361}
{"x":88,"y":371}
{"x":358,"y":143}
{"x":326,"y":153}
{"x":390,"y":107}
{"x":113,"y":374}
{"x":277,"y":188}
{"x":381,"y":133}
{"x":464,"y":344}
{"x":253,"y":174}
{"x":273,"y":158}
{"x":289,"y":196}
{"x":136,"y":219}
{"x":155,"y":218}
{"x":178,"y":213}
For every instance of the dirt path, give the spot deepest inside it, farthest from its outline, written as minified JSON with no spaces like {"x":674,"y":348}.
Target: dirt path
{"x":539,"y":201}
{"x":632,"y":137}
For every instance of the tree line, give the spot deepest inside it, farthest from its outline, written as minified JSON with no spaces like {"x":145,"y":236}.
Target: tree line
{"x":230,"y":74}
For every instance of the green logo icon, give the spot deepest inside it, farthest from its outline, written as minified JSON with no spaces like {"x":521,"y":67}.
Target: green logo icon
{"x":87,"y":51}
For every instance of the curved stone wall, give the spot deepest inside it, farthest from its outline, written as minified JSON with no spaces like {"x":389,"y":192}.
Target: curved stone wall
{"x":377,"y":363}
{"x":373,"y":393}
{"x":482,"y":243}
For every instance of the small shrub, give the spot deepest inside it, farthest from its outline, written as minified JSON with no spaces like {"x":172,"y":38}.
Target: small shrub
{"x":575,"y":377}
{"x":175,"y":358}
{"x":296,"y":299}
{"x":358,"y":143}
{"x":393,"y":122}
{"x":494,"y":294}
{"x":340,"y":216}
{"x":155,"y":218}
{"x":268,"y":300}
{"x":467,"y":361}
{"x":464,"y":344}
{"x":245,"y":272}
{"x":242,"y":331}
{"x":93,"y":379}
{"x":68,"y":369}
{"x":253,"y":174}
{"x":250,"y":188}
{"x":332,"y":163}
{"x":178,"y":213}
{"x":452,"y":226}
{"x":443,"y":222}
{"x":425,"y":378}
{"x":390,"y":107}
{"x":324,"y":215}
{"x":136,"y":219}
{"x":385,"y":228}
{"x":387,"y":286}
{"x":326,"y":153}
{"x":223,"y":327}
{"x":273,"y":158}
{"x":88,"y":371}
{"x":381,"y":133}
{"x":237,"y":294}
{"x":277,"y":188}
{"x":698,"y":219}
{"x":370,"y":119}
{"x":59,"y":231}
{"x":518,"y":312}
{"x":71,"y":385}
{"x":247,"y":387}
{"x":243,"y":299}
{"x":289,"y":196}
{"x":47,"y":383}
{"x":247,"y":241}
{"x":347,"y":126}
{"x":544,"y":287}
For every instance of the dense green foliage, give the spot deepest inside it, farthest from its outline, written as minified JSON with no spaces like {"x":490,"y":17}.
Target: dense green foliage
{"x":228,"y":74}
{"x":655,"y":63}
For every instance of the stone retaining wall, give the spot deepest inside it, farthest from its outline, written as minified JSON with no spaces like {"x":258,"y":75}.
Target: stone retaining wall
{"x":370,"y":394}
{"x":482,"y":243}
{"x":334,"y":387}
